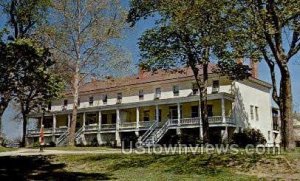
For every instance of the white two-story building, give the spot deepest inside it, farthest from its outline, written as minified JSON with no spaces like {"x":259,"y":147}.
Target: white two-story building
{"x":153,"y":107}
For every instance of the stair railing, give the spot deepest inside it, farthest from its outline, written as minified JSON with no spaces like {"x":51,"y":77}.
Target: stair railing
{"x":148,"y":132}
{"x":162,"y":131}
{"x":62,"y":137}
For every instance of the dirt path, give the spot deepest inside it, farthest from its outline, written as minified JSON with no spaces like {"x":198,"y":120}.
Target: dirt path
{"x":30,"y":152}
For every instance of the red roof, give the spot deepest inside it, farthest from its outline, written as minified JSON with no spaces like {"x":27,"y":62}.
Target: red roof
{"x":142,"y":78}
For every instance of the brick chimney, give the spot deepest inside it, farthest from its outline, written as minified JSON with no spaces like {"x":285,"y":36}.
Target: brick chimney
{"x":254,"y":66}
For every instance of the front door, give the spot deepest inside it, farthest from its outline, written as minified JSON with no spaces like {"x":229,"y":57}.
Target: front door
{"x":173,"y":113}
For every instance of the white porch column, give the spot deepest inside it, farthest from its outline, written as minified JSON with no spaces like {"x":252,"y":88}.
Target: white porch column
{"x":83,"y":120}
{"x":178,"y":119}
{"x":137,"y":121}
{"x":69,"y":121}
{"x":53,"y":127}
{"x":223,"y":110}
{"x":200,"y":122}
{"x":178,"y":113}
{"x":99,"y":120}
{"x":225,"y":131}
{"x":99,"y":137}
{"x":118,"y":138}
{"x":83,"y":125}
{"x":156,"y":113}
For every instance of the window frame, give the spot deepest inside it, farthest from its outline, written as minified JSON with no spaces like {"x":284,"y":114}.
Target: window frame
{"x":157,"y":93}
{"x":252,"y":112}
{"x":91,"y":100}
{"x":175,"y":90}
{"x":215,"y":86}
{"x":257,"y":113}
{"x":195,"y":88}
{"x":141,"y":94}
{"x":104,"y":98}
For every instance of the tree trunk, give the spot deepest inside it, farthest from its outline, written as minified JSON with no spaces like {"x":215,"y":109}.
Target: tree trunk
{"x":204,"y":114}
{"x":286,"y":110}
{"x":23,"y":143}
{"x":72,"y":130}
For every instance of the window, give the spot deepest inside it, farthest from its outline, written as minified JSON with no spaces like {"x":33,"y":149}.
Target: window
{"x":210,"y":112}
{"x":159,"y":115}
{"x":78,"y":102}
{"x":256,"y":113}
{"x":119,"y":96}
{"x":195,"y":88}
{"x":104,"y":119}
{"x":252,"y":112}
{"x":91,"y":100}
{"x":195,"y":111}
{"x":49,"y":106}
{"x":176,"y":90}
{"x":215,"y":86}
{"x":104,"y":99}
{"x":147,"y":115}
{"x":114,"y":118}
{"x":157,"y":93}
{"x":141,"y":94}
{"x":65,"y":104}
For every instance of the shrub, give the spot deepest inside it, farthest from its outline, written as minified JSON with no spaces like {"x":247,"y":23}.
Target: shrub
{"x":36,"y":144}
{"x":52,"y":144}
{"x":249,"y":136}
{"x":94,"y":142}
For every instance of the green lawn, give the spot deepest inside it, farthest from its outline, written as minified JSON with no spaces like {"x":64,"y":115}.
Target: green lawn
{"x":4,"y":149}
{"x":151,"y":166}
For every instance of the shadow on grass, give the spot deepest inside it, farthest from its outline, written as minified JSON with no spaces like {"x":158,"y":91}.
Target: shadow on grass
{"x":40,"y":168}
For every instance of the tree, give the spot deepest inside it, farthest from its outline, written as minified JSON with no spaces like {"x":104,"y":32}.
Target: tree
{"x":33,"y":83}
{"x":24,"y":15}
{"x":187,"y":33}
{"x":83,"y":33}
{"x":271,"y":28}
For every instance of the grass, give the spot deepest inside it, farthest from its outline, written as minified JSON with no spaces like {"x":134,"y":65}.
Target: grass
{"x":155,"y":167}
{"x":149,"y":166}
{"x":4,"y":149}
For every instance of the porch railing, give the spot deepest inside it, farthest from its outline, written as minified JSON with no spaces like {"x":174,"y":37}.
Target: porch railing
{"x":61,"y":129}
{"x":37,"y":131}
{"x":128,"y":125}
{"x":145,"y":124}
{"x":189,"y":121}
{"x":108,"y":126}
{"x":91,"y":127}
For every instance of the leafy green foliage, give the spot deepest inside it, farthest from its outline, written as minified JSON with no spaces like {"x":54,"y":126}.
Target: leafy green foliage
{"x":26,"y":76}
{"x":234,"y":70}
{"x":248,"y":136}
{"x":24,"y":15}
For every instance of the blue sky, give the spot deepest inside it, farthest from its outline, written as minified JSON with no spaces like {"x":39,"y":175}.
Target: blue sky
{"x":132,"y":35}
{"x":130,"y":40}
